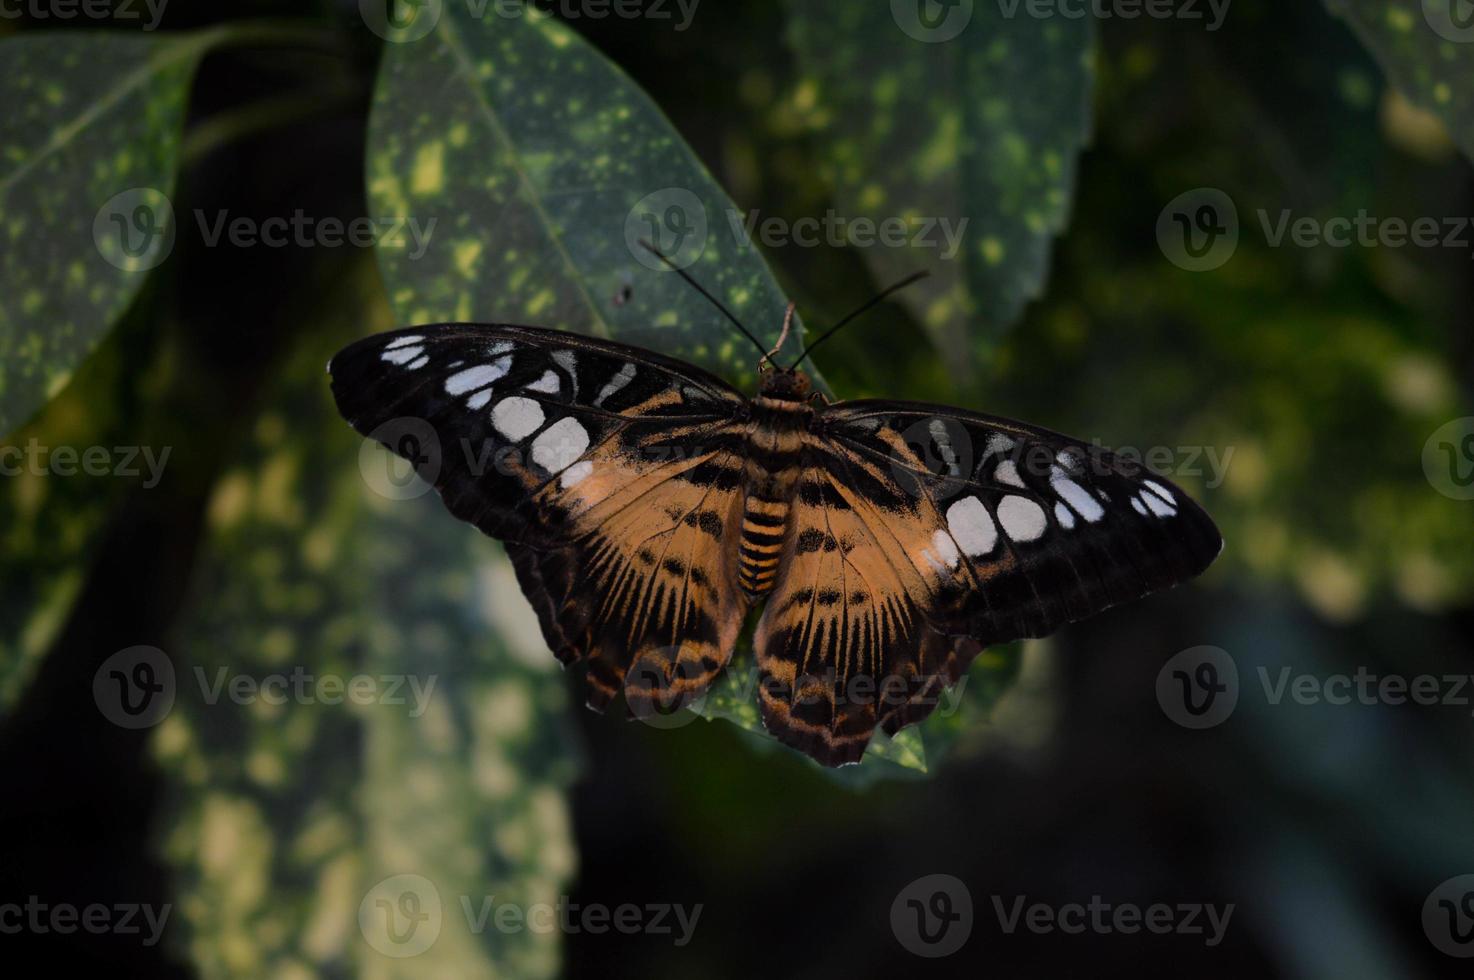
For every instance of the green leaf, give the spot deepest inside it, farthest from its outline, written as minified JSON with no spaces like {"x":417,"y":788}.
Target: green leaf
{"x":289,"y":822}
{"x":973,"y":126}
{"x":1427,"y":51}
{"x":88,"y":148}
{"x":62,"y":477}
{"x":542,"y":166}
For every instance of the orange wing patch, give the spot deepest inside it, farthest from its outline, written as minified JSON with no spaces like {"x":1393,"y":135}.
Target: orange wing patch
{"x":847,"y":642}
{"x":645,"y":589}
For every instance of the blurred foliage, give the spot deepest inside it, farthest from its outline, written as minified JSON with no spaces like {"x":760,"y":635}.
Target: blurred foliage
{"x":972,"y":138}
{"x":283,"y":816}
{"x":49,"y":526}
{"x":1426,"y":51}
{"x":89,"y":118}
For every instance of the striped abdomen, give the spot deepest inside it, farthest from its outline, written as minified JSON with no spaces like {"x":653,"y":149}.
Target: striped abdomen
{"x":772,"y":467}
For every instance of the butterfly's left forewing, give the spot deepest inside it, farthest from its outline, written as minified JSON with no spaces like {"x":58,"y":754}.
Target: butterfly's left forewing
{"x":922,"y":534}
{"x":611,"y":473}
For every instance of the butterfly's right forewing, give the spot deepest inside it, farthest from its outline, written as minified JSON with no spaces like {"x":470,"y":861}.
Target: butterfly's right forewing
{"x":612,"y":474}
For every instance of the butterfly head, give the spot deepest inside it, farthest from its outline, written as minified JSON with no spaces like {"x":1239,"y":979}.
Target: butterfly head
{"x":786,"y":384}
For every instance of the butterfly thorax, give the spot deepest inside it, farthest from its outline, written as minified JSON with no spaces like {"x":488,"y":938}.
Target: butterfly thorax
{"x":781,"y":414}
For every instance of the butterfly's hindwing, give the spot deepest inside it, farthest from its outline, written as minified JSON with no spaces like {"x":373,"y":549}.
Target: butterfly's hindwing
{"x":611,"y":473}
{"x":921,"y":534}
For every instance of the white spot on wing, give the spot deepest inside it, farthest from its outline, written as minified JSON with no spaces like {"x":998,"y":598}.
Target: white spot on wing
{"x":517,"y":417}
{"x":1064,"y":515}
{"x":1157,"y":507}
{"x":1007,"y":473}
{"x":403,"y":341}
{"x":557,"y":448}
{"x":479,"y":400}
{"x":972,"y":527}
{"x":938,"y":430}
{"x":419,"y":362}
{"x":401,"y":355}
{"x":1074,"y":495}
{"x":999,"y":443}
{"x":576,"y":473}
{"x":565,"y":360}
{"x":1021,"y":518}
{"x":548,"y":384}
{"x":943,"y":550}
{"x":477,"y":377}
{"x":1158,"y":489}
{"x":625,"y":375}
{"x":1159,"y":499}
{"x":1138,"y":506}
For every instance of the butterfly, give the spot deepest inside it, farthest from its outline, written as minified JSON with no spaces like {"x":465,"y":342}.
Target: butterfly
{"x":647,"y":506}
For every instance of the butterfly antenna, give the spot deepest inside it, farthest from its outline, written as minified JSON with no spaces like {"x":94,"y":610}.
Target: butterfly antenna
{"x":914,"y":277}
{"x":710,"y":298}
{"x":787,"y":323}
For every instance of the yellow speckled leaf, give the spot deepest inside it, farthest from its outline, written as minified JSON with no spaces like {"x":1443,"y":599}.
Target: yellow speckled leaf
{"x":89,"y":142}
{"x":542,"y":166}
